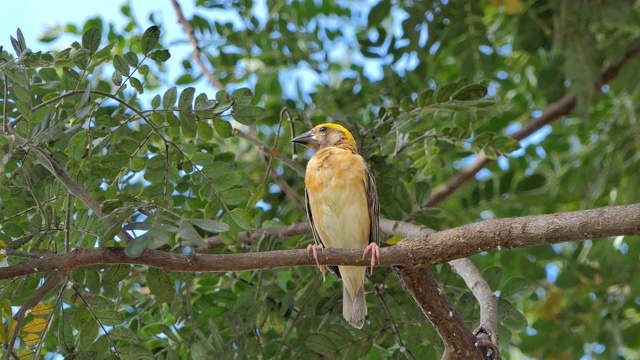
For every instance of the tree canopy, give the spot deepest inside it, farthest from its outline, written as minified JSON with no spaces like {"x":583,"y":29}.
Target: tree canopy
{"x":146,"y":214}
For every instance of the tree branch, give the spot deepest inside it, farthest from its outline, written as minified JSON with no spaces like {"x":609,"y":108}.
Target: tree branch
{"x":421,"y":251}
{"x":459,"y":341}
{"x":562,"y":107}
{"x":188,"y":29}
{"x":487,"y":332}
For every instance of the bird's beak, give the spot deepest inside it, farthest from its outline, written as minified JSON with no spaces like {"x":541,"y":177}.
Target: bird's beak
{"x":305,"y":138}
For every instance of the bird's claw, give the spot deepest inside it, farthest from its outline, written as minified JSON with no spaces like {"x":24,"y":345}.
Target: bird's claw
{"x":312,"y":249}
{"x":375,"y":253}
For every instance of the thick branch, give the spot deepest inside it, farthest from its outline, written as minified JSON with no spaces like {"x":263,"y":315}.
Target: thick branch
{"x":487,"y":332}
{"x":188,"y":29}
{"x":458,"y":339}
{"x":553,"y":112}
{"x":440,"y":247}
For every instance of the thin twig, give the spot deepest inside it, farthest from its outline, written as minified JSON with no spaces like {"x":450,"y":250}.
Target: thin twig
{"x":269,"y":151}
{"x":197,"y":53}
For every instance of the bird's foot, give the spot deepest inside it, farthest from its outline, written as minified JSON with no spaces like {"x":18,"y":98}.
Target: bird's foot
{"x":312,"y":249}
{"x":375,"y":253}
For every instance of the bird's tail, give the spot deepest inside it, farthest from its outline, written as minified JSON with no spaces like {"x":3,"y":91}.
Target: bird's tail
{"x":354,"y":308}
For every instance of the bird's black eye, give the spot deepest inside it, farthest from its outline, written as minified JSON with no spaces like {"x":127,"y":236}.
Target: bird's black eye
{"x":323,"y":129}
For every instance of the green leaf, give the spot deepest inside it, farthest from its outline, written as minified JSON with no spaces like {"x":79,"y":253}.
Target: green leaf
{"x":186,"y":98}
{"x":242,"y":97}
{"x":116,"y":78}
{"x":155,"y":102}
{"x":444,"y":92}
{"x":136,"y":84}
{"x":77,"y":147}
{"x":470,"y":92}
{"x":505,"y":182}
{"x":114,"y":161}
{"x":225,"y":181}
{"x":131,"y":58}
{"x":104,"y":52}
{"x":216,"y":169}
{"x":21,"y":93}
{"x":210,"y":225}
{"x":493,"y":276}
{"x":136,"y":246}
{"x":49,"y":74}
{"x":188,"y":124}
{"x":378,"y":12}
{"x":242,"y":219}
{"x":112,"y":317}
{"x":205,"y":131}
{"x":320,"y":343}
{"x":66,"y":340}
{"x":402,"y":197}
{"x":248,"y":114}
{"x":91,"y":39}
{"x":516,"y":289}
{"x":160,"y":285}
{"x":161,"y":55}
{"x":149,"y":39}
{"x":123,"y":333}
{"x":425,"y":98}
{"x":120,"y":64}
{"x":169,"y":98}
{"x":189,"y":233}
{"x":116,"y":273}
{"x":510,"y":316}
{"x":532,"y":182}
{"x":222,"y":106}
{"x":423,"y":192}
{"x":202,"y":158}
{"x":630,"y":336}
{"x":235,"y":196}
{"x":223,"y":128}
{"x":87,"y":334}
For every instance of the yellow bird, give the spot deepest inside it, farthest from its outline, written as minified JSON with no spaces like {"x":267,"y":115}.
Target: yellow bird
{"x":342,"y":207}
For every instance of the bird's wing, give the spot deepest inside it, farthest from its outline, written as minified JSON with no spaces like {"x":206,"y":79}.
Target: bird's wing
{"x":374,"y":210}
{"x":374,"y":207}
{"x":314,"y":231}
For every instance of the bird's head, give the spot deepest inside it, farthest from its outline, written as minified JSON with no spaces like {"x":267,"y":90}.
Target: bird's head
{"x":325,"y":135}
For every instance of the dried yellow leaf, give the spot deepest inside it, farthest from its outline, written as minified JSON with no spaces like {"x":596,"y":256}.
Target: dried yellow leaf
{"x":35,"y":325}
{"x":42,"y":309}
{"x":25,"y":354}
{"x":512,"y":7}
{"x":31,"y":339}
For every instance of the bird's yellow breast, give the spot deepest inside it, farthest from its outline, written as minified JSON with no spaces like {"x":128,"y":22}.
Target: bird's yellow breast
{"x":335,"y":181}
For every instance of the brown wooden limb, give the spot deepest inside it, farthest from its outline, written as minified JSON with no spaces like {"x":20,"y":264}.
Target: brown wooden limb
{"x":458,"y":339}
{"x":421,"y":251}
{"x":562,"y":107}
{"x":487,"y":333}
{"x":197,"y":54}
